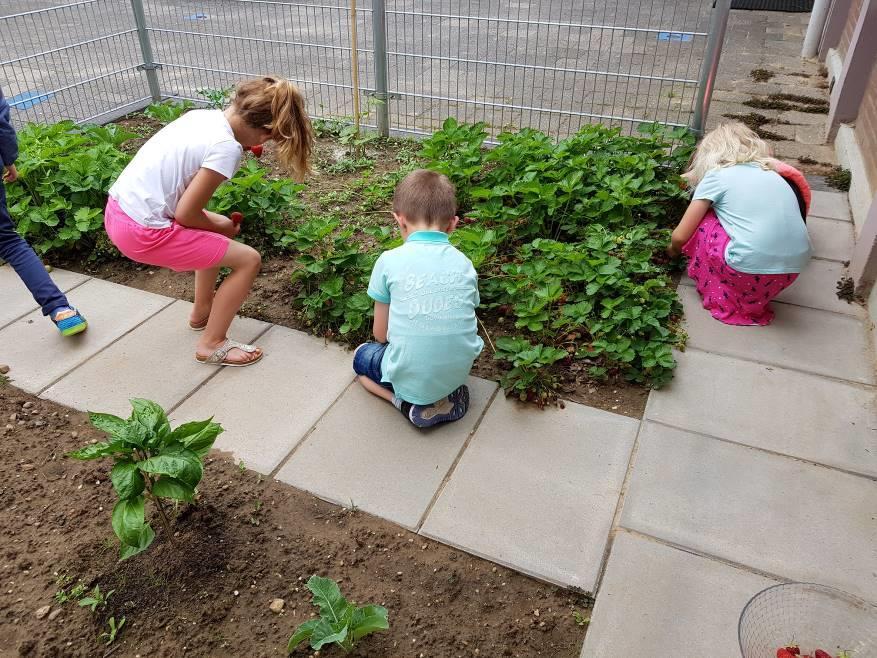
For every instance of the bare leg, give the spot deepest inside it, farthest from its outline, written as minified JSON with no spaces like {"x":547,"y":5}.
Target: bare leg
{"x":205,"y":282}
{"x":376,"y":389}
{"x":244,"y":262}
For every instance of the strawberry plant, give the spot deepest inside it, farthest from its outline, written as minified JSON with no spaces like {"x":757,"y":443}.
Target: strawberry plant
{"x":530,"y":377}
{"x":153,"y":463}
{"x":65,"y":171}
{"x":341,"y":623}
{"x":333,"y":273}
{"x":168,"y":111}
{"x":270,"y":205}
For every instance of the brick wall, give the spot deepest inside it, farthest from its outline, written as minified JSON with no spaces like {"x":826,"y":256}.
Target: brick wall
{"x":850,"y":26}
{"x":866,"y":128}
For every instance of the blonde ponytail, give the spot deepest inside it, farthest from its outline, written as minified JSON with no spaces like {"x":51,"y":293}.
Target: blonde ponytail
{"x":276,"y":104}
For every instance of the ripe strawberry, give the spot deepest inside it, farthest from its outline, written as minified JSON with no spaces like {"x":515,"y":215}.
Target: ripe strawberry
{"x":236,"y":218}
{"x":784,"y":652}
{"x":794,"y":649}
{"x":821,"y":654}
{"x":257,"y":150}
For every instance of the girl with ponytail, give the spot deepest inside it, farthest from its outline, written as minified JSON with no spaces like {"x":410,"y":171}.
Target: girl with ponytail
{"x":156,"y":209}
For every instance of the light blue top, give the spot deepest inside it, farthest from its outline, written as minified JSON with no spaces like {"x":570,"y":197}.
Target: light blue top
{"x":760,"y":213}
{"x":432,"y":290}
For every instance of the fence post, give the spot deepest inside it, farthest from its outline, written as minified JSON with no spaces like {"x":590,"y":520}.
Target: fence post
{"x":379,"y":29}
{"x":149,"y":64}
{"x":718,"y":23}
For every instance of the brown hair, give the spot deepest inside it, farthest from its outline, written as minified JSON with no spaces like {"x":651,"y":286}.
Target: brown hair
{"x":276,"y":104}
{"x":427,"y":197}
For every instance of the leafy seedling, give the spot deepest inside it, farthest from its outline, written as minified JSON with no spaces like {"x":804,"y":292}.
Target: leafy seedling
{"x":217,"y":99}
{"x":151,"y":462}
{"x":74,"y":594}
{"x":110,"y":636}
{"x":95,"y":598}
{"x":340,"y":622}
{"x":168,"y":110}
{"x":580,"y":619}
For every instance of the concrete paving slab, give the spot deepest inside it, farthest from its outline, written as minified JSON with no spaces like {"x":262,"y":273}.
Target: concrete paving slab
{"x":814,"y":418}
{"x":831,"y":205}
{"x":816,"y":287}
{"x":536,"y":491}
{"x":800,"y":338}
{"x":663,"y":593}
{"x":363,"y":451}
{"x":832,"y":239}
{"x":15,"y":298}
{"x":266,"y":409}
{"x":134,"y":368}
{"x":768,"y":512}
{"x":42,"y":355}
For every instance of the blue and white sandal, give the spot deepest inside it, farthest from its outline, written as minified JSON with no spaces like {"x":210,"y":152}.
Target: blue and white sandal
{"x":446,"y":410}
{"x":69,"y":321}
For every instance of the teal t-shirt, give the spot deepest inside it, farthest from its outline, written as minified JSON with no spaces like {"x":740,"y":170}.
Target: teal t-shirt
{"x":760,"y":213}
{"x":432,"y":290}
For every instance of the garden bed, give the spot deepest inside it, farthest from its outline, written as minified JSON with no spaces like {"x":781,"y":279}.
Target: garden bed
{"x":578,"y":300}
{"x":246,"y":542}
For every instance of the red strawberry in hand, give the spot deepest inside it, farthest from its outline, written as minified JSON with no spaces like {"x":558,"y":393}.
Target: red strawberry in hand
{"x":256,"y":150}
{"x":236,"y":218}
{"x":821,"y":654}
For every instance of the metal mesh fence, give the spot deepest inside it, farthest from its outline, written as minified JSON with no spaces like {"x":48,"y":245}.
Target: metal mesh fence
{"x":73,"y":61}
{"x":550,"y":64}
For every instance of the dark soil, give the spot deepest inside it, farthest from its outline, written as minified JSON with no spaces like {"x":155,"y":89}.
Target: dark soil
{"x":761,"y":75}
{"x":789,"y":102}
{"x":248,"y":541}
{"x":756,"y":123}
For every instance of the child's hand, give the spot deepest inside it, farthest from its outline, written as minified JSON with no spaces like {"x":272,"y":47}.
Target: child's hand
{"x":673,"y":251}
{"x":229,"y":228}
{"x":11,"y":174}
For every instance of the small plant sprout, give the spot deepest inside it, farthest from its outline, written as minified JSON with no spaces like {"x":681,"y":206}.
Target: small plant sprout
{"x":73,"y":594}
{"x":168,"y":110}
{"x":110,"y":636}
{"x":340,"y":622}
{"x":217,"y":99}
{"x":581,"y":620}
{"x":151,"y":462}
{"x":95,"y":598}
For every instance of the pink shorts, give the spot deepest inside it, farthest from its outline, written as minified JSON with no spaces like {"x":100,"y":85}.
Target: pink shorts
{"x":177,"y":247}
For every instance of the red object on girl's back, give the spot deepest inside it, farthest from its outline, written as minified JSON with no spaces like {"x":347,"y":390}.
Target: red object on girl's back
{"x":236,"y":218}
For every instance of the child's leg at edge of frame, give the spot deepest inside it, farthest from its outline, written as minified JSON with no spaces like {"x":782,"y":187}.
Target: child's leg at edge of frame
{"x":22,"y":258}
{"x":245,"y":263}
{"x":376,"y":389}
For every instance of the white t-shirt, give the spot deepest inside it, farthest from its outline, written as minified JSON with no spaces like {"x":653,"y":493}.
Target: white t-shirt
{"x":150,"y":187}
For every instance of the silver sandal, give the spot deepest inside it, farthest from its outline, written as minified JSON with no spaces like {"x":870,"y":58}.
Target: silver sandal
{"x":220,"y":355}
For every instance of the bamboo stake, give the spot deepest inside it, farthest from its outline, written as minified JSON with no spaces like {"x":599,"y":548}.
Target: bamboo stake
{"x":354,"y":57}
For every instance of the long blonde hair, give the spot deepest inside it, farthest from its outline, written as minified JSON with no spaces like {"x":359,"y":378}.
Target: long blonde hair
{"x":275,"y":104}
{"x":730,"y":144}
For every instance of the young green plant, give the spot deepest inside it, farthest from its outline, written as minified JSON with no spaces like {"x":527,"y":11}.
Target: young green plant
{"x":340,"y":622}
{"x":152,"y":462}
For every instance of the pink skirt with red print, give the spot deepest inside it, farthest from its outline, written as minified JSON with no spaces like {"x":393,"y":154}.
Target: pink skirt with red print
{"x":730,"y":296}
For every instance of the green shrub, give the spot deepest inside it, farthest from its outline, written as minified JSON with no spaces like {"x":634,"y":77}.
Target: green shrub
{"x":168,"y":111}
{"x":65,"y":172}
{"x":269,"y":205}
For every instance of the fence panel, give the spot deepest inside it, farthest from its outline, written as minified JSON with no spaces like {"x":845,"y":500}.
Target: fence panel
{"x":548,"y":64}
{"x":214,"y":44}
{"x":552,"y":65}
{"x":75,"y":61}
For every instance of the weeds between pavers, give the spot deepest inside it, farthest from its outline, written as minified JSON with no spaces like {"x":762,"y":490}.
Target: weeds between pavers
{"x":568,"y":236}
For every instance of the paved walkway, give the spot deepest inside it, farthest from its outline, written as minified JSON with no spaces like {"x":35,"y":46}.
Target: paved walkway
{"x":757,"y":464}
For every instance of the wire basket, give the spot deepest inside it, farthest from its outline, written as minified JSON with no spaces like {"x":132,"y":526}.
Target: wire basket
{"x":811,"y":616}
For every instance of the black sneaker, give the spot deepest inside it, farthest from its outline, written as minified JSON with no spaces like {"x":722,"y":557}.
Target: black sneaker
{"x":449,"y":409}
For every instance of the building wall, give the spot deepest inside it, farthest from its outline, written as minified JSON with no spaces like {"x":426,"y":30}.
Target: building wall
{"x":850,"y":26}
{"x":866,"y":128}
